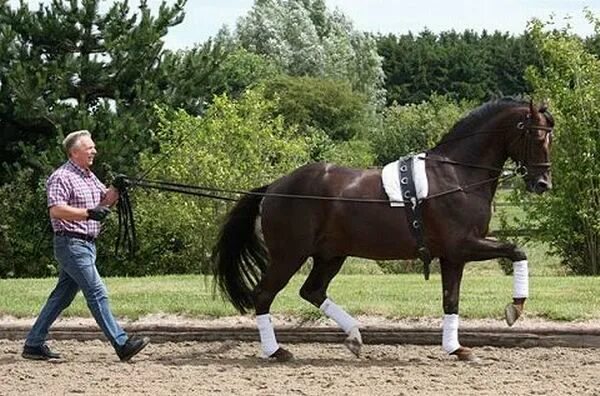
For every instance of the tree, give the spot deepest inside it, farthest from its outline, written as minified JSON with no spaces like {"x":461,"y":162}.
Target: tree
{"x":463,"y":65}
{"x":304,"y":39}
{"x":66,"y":67}
{"x":568,"y":216}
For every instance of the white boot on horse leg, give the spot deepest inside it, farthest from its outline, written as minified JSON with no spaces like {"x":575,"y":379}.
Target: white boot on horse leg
{"x":346,"y":322}
{"x":513,"y":311}
{"x":268,"y":342}
{"x":450,"y":342}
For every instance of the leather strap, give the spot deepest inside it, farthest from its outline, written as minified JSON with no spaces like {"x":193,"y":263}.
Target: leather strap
{"x":414,"y":213}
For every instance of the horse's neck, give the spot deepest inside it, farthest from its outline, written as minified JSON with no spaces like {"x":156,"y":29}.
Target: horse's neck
{"x":482,"y":150}
{"x":485,"y":150}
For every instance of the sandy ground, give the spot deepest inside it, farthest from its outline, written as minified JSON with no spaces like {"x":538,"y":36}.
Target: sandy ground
{"x":283,"y":321}
{"x":233,"y":368}
{"x":237,"y":368}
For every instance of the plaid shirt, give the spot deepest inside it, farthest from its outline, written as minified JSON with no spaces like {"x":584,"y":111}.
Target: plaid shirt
{"x":74,"y":186}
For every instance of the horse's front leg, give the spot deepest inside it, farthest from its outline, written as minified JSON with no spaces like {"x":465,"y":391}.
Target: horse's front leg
{"x":486,"y":249}
{"x":451,"y":278}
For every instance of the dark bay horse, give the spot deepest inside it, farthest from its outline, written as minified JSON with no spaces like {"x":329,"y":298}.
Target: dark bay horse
{"x":251,"y":270}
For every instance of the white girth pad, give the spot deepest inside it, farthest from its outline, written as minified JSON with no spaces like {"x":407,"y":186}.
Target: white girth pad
{"x":391,"y":180}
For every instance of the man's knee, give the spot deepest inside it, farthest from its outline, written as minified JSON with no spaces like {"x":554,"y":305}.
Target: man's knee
{"x":96,"y":292}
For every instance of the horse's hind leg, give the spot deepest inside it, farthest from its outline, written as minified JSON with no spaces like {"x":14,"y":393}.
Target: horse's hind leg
{"x":274,"y":280}
{"x":314,"y":290}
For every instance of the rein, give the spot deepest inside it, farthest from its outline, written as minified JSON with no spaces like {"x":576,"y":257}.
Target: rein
{"x":127,"y":239}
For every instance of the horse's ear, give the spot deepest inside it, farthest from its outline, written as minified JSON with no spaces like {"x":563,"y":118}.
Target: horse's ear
{"x":532,"y":109}
{"x":544,"y":106}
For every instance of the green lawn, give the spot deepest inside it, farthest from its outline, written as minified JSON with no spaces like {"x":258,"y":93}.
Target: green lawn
{"x":395,"y":296}
{"x":361,"y":287}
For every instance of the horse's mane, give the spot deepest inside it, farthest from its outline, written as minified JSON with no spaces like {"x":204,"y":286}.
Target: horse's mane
{"x":468,"y":123}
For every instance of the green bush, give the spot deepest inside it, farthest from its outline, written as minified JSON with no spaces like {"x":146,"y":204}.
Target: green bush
{"x":416,"y":127}
{"x":324,"y":104}
{"x":25,"y":231}
{"x":568,"y":215}
{"x":353,"y":153}
{"x":235,"y":145}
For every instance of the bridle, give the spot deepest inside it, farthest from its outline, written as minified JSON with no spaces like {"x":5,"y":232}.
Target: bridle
{"x":527,"y":127}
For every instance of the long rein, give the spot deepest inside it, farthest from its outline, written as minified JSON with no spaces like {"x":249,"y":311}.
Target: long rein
{"x":122,"y":182}
{"x":216,"y":193}
{"x":127,"y":232}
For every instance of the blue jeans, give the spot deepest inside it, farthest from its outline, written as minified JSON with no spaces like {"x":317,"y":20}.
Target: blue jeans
{"x":77,"y":259}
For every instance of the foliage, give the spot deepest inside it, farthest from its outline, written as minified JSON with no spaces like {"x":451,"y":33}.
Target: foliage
{"x":568,"y":215}
{"x":355,"y":153}
{"x":328,"y":105}
{"x":66,"y":67}
{"x":239,"y":70}
{"x":465,"y":65}
{"x":334,"y":119}
{"x":305,"y":39}
{"x":415,"y":127}
{"x":25,"y":240}
{"x":235,"y":145}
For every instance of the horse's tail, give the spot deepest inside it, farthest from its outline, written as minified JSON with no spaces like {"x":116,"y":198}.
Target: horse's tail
{"x":239,"y":257}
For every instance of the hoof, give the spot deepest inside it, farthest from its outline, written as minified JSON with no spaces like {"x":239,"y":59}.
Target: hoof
{"x":353,"y":345}
{"x":512,"y":312}
{"x":465,"y":355}
{"x":282,"y":355}
{"x":354,"y":341}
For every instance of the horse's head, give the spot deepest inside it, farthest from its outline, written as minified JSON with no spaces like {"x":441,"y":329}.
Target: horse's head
{"x":529,"y":146}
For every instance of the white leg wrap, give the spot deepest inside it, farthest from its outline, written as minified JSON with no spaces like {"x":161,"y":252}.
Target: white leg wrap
{"x":520,"y":279}
{"x":341,"y":317}
{"x":268,"y":342}
{"x":450,"y":333}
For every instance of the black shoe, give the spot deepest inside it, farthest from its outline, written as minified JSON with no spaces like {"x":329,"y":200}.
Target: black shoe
{"x":132,"y":347}
{"x":41,"y":352}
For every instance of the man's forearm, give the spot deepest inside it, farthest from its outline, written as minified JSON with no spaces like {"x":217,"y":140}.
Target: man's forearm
{"x":66,"y":212}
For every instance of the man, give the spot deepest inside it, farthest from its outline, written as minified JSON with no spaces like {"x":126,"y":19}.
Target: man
{"x":78,"y":201}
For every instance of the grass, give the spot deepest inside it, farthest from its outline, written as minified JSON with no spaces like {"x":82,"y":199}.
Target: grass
{"x":361,"y":288}
{"x":393,"y":296}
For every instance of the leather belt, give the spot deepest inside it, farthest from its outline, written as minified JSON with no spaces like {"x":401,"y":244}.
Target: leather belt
{"x":77,"y":235}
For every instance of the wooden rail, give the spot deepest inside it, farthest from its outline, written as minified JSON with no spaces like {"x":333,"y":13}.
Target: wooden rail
{"x":498,"y":337}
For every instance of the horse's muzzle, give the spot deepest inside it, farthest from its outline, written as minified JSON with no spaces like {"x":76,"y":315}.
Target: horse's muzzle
{"x":539,"y":185}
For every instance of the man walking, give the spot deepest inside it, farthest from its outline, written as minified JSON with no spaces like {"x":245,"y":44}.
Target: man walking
{"x":78,"y":201}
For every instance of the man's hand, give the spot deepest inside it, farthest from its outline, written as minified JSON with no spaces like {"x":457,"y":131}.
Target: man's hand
{"x":111,"y":197}
{"x":98,"y":213}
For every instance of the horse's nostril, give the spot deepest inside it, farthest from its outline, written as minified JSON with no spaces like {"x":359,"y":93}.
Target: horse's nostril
{"x":542,"y":185}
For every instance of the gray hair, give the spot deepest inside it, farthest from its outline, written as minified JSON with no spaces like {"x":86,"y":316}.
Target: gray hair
{"x":72,"y":139}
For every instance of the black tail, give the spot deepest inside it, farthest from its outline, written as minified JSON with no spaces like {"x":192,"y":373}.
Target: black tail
{"x":240,"y":258}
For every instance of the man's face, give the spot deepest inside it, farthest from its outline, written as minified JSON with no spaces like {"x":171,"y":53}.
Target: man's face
{"x":83,"y":152}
